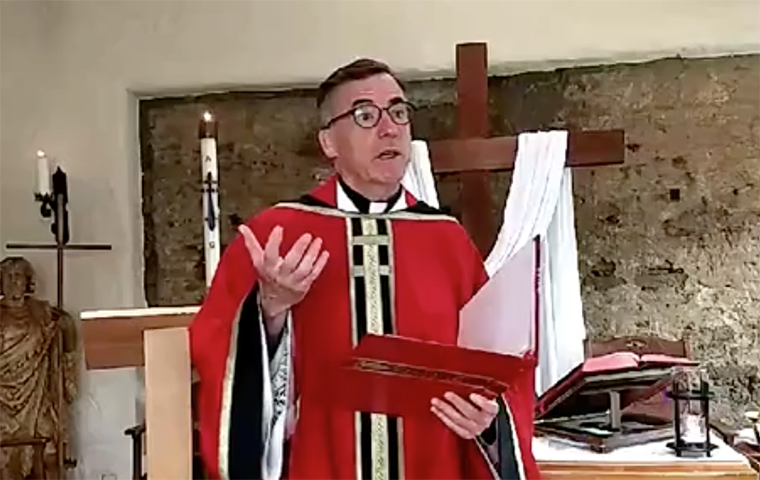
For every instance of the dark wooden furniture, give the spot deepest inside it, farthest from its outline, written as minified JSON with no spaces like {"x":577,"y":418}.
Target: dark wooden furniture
{"x":38,"y":445}
{"x":137,"y":433}
{"x":643,"y":344}
{"x":752,"y":452}
{"x":676,"y":470}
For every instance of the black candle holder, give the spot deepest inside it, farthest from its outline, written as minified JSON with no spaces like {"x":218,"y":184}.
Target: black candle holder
{"x":47,"y":204}
{"x":54,"y":205}
{"x":691,"y":400}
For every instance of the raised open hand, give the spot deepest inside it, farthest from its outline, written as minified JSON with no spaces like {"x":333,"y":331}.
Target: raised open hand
{"x":284,"y":281}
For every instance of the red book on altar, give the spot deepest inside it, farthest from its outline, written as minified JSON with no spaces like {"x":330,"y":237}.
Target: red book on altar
{"x":611,"y":401}
{"x":624,"y":371}
{"x":399,"y":376}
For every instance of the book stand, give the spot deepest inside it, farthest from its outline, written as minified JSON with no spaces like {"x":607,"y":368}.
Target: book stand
{"x":606,"y":411}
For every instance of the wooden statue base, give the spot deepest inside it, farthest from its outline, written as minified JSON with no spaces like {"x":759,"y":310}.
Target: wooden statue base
{"x":560,"y":460}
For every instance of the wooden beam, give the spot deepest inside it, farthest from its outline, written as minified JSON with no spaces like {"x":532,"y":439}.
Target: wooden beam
{"x":473,"y":154}
{"x":114,"y":339}
{"x":472,"y":90}
{"x":585,"y":149}
{"x":472,"y":122}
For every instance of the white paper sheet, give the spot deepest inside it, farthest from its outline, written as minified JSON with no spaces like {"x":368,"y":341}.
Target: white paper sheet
{"x":501,"y":317}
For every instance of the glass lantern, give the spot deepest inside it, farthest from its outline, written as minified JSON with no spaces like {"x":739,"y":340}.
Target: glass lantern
{"x":691,"y":397}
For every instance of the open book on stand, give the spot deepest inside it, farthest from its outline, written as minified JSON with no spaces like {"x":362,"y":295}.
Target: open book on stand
{"x":399,"y":376}
{"x":595,"y":404}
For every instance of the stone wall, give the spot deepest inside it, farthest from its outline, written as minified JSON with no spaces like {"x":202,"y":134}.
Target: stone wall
{"x":668,"y":243}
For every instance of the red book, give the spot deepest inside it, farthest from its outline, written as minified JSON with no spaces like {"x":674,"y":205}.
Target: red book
{"x":623,"y":371}
{"x":626,"y":361}
{"x":400,"y":376}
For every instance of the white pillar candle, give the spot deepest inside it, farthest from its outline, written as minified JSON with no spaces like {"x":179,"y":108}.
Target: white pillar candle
{"x":43,"y":173}
{"x":207,"y":133}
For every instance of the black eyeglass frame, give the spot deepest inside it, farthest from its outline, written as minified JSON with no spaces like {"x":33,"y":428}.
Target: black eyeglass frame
{"x":352,"y":113}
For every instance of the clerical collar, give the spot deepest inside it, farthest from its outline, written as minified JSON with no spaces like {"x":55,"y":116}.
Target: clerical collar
{"x":364,"y":205}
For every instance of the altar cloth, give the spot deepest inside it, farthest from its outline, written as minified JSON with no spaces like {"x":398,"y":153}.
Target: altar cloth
{"x":547,"y":449}
{"x":561,"y":460}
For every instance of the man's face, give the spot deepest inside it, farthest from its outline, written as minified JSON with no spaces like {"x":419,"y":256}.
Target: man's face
{"x":371,"y":160}
{"x":14,"y":282}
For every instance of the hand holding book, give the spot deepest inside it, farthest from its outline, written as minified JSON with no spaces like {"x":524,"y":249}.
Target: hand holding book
{"x":399,"y":376}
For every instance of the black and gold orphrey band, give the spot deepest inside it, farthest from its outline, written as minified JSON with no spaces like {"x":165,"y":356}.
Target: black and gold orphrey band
{"x":379,"y":455}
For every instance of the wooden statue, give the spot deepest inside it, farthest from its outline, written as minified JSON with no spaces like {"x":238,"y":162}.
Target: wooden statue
{"x":36,"y":378}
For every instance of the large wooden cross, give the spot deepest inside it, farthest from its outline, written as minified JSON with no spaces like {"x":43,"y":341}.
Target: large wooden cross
{"x":473,"y":153}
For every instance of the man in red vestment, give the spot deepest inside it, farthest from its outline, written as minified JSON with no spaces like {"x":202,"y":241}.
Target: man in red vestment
{"x":357,"y":255}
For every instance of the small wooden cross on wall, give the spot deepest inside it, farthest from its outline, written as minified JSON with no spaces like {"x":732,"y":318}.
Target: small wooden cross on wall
{"x":473,"y":154}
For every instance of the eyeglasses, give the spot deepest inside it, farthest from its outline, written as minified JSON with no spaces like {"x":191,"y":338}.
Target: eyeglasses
{"x":369,"y":115}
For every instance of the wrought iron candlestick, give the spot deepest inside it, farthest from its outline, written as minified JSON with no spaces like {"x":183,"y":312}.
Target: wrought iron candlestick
{"x":54,"y":204}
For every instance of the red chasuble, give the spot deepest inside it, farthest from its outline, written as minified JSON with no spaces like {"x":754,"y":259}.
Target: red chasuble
{"x":407,"y":272}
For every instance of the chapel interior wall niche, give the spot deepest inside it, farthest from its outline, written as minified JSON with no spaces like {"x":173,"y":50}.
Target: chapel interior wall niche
{"x":667,"y":242}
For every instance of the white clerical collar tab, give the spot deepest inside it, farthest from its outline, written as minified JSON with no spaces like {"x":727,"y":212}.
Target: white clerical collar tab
{"x":345,"y":203}
{"x":377,"y":207}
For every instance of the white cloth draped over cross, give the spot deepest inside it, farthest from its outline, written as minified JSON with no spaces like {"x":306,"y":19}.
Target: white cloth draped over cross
{"x":419,"y":178}
{"x":540,"y":203}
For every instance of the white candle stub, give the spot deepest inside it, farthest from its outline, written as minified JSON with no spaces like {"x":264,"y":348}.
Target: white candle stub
{"x":693,"y":431}
{"x":43,"y":173}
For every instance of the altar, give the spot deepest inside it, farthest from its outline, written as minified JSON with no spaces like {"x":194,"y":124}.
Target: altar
{"x":560,"y":460}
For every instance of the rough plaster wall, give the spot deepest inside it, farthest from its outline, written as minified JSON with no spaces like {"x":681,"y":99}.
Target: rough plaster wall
{"x":265,"y":151}
{"x":668,"y":243}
